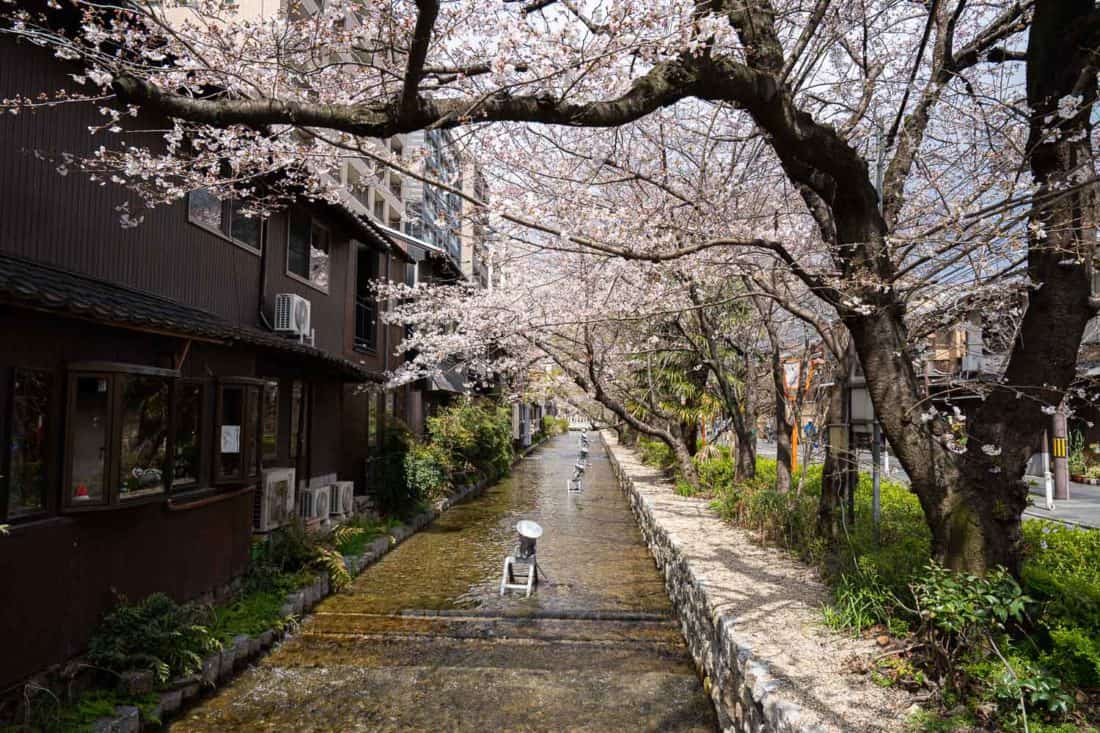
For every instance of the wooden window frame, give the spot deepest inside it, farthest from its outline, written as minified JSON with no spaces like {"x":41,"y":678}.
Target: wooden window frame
{"x":7,"y":426}
{"x":201,"y":468}
{"x":112,"y":372}
{"x":313,"y":222}
{"x":249,"y":432}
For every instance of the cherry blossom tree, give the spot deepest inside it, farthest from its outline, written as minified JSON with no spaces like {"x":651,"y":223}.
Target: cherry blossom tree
{"x":876,"y":151}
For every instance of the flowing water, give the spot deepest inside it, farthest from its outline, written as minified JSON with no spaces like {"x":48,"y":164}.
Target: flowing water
{"x":423,"y":640}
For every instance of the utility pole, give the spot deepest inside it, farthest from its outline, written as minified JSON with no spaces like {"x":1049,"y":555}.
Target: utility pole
{"x":1061,"y":454}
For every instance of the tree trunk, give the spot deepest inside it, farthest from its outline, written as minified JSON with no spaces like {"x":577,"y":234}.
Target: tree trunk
{"x":782,"y":453}
{"x":836,"y":473}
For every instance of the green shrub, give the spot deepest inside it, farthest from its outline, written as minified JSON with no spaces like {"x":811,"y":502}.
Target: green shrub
{"x":656,"y":454}
{"x":393,"y":493}
{"x":46,"y":713}
{"x":156,"y":634}
{"x":427,"y":471}
{"x":476,"y":438}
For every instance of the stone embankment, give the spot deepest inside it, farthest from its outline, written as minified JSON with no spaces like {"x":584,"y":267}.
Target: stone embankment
{"x":751,"y":616}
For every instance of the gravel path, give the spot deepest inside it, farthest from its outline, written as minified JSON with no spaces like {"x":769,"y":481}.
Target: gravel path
{"x":766,"y":605}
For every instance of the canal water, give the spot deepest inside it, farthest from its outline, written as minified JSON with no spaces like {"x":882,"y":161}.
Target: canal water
{"x":423,"y":640}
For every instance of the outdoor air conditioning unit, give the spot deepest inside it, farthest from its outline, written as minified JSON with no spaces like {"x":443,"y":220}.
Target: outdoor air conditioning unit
{"x":273,"y":504}
{"x":314,"y":504}
{"x":292,"y":315}
{"x":342,"y":499}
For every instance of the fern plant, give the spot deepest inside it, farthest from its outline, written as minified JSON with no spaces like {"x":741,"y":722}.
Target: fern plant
{"x":156,"y":634}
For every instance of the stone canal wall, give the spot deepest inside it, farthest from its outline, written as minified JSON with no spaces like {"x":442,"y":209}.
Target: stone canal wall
{"x":751,"y":617}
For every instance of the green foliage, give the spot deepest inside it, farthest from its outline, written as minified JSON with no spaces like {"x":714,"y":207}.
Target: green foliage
{"x":861,"y":600}
{"x":475,"y":436}
{"x":1060,"y":572}
{"x":156,"y":634}
{"x":428,"y":471}
{"x":656,"y":454}
{"x":251,"y":613}
{"x":394,"y":494}
{"x":47,"y":714}
{"x":552,"y":426}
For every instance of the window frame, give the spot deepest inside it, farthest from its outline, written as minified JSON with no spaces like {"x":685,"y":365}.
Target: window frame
{"x":201,"y":468}
{"x":112,"y":372}
{"x":7,"y":429}
{"x":250,"y":388}
{"x":369,"y":343}
{"x":313,"y":222}
{"x":225,"y":227}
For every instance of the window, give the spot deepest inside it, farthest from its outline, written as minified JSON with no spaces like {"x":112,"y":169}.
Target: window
{"x":308,"y":249}
{"x":117,"y":448}
{"x":89,"y":420}
{"x":144,"y":447}
{"x":224,"y":217}
{"x":372,"y":420}
{"x":239,"y":429}
{"x":366,"y":300}
{"x":270,"y":440}
{"x":27,"y":457}
{"x":188,"y":441}
{"x":379,"y":207}
{"x":299,"y":420}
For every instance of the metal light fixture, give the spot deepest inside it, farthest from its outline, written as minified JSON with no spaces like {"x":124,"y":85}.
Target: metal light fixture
{"x":529,"y":533}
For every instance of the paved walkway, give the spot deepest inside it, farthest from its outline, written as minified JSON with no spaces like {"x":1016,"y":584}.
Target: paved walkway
{"x":423,"y":641}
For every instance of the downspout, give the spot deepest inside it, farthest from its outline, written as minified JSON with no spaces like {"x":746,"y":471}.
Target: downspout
{"x":263,"y":275}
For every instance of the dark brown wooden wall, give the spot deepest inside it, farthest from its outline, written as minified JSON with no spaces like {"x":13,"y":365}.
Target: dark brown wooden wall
{"x":58,"y":571}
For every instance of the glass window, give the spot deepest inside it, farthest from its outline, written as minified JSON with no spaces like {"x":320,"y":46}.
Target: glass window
{"x":28,"y":465}
{"x":189,"y":398}
{"x":225,"y":217}
{"x":244,"y":229}
{"x":366,"y":300}
{"x":319,"y":257}
{"x":299,"y":420}
{"x":252,"y":429}
{"x":89,"y":430}
{"x":205,"y":209}
{"x":231,"y":422}
{"x":144,"y":447}
{"x":372,"y":420}
{"x":270,"y":438}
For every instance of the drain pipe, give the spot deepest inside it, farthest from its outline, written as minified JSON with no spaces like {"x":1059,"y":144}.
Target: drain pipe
{"x":263,"y":274}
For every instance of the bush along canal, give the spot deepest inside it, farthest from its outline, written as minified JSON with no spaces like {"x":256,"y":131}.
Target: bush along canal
{"x":424,"y":641}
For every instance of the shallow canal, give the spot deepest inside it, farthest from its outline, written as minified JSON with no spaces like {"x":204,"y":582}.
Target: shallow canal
{"x":423,"y":640}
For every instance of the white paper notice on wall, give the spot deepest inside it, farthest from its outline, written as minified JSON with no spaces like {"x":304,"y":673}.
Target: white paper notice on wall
{"x":231,"y":438}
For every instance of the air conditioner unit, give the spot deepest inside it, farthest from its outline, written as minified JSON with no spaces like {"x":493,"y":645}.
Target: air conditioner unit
{"x":292,"y":315}
{"x":273,"y":504}
{"x":342,"y":499}
{"x":314,"y":504}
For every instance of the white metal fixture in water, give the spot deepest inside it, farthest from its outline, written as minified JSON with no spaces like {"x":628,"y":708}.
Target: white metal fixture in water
{"x":529,"y":533}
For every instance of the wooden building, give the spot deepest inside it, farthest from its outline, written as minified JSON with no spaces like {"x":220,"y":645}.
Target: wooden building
{"x":143,"y":391}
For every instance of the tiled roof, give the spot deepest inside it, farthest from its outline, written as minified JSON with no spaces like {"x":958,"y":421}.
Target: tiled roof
{"x":39,"y":286}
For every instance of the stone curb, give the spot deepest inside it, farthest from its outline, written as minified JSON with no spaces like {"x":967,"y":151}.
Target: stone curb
{"x":746,"y":696}
{"x":220,"y":667}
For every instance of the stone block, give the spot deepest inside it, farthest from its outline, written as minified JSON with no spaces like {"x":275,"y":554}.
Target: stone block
{"x":136,"y":682}
{"x":297,"y":600}
{"x":127,"y":719}
{"x":190,"y":692}
{"x":380,"y":546}
{"x":228,"y":658}
{"x":267,"y":639}
{"x":171,"y":701}
{"x":287,"y":609}
{"x":241,"y":647}
{"x":323,"y":587}
{"x":211,"y":667}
